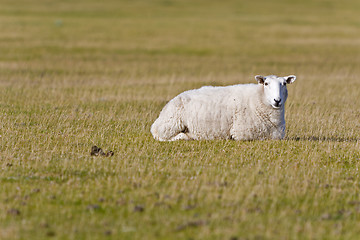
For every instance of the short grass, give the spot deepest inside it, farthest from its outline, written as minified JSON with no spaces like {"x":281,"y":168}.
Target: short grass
{"x":74,"y":74}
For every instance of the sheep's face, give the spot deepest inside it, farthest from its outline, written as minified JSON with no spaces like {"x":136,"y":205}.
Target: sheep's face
{"x":275,"y":91}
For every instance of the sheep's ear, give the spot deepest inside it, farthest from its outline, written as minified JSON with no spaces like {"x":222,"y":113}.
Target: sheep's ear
{"x":290,"y":79}
{"x":260,"y":79}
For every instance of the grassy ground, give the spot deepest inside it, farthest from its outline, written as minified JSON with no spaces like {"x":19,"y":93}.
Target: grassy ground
{"x":84,"y":73}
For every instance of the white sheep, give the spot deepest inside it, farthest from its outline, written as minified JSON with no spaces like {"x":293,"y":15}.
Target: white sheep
{"x":239,"y":112}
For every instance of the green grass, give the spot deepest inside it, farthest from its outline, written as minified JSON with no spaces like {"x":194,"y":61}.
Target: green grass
{"x":84,"y":73}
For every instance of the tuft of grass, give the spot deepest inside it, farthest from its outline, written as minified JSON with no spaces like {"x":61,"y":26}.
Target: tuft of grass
{"x":74,"y":75}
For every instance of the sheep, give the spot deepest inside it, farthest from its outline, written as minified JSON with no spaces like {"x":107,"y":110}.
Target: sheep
{"x":238,"y":112}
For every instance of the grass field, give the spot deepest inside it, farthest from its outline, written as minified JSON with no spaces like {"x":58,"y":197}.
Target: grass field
{"x":74,"y":74}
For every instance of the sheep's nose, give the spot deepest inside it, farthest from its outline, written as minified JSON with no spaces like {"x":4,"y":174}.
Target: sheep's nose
{"x":277,"y":103}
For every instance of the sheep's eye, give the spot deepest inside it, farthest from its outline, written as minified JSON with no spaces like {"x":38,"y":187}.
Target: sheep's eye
{"x":266,"y":84}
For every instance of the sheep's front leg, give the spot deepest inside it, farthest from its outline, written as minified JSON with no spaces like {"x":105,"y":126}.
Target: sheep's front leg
{"x":180,"y":136}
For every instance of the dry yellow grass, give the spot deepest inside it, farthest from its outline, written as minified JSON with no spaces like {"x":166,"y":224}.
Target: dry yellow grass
{"x":74,"y":75}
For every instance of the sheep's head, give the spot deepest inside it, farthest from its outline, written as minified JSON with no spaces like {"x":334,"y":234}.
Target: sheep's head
{"x":275,"y":91}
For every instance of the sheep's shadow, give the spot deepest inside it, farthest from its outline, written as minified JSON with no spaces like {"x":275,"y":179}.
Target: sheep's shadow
{"x":324,"y":139}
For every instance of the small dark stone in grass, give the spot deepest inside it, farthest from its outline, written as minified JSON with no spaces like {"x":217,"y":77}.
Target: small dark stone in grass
{"x":9,"y":164}
{"x":110,"y":153}
{"x":14,"y":212}
{"x":96,"y":151}
{"x":107,"y":232}
{"x":101,"y":199}
{"x":92,"y":207}
{"x":139,"y":208}
{"x":36,"y":190}
{"x":50,"y":234}
{"x":254,"y":210}
{"x":233,"y":238}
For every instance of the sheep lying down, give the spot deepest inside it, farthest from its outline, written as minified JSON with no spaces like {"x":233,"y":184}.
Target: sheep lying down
{"x":239,"y":112}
